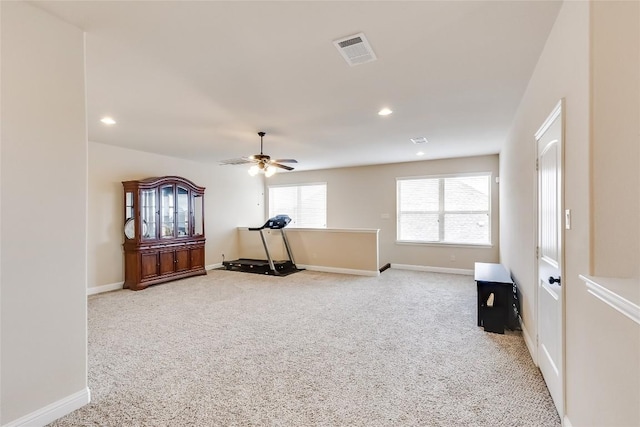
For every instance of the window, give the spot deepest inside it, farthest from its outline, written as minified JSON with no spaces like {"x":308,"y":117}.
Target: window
{"x":445,"y":209}
{"x":306,"y":204}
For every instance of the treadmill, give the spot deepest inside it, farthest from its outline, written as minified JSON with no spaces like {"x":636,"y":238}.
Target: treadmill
{"x":268,"y":266}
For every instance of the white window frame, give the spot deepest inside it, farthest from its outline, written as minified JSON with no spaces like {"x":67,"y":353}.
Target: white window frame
{"x":298,"y":186}
{"x":441,"y":212}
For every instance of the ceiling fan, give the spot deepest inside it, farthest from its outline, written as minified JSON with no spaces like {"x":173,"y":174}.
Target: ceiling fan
{"x":262,"y":162}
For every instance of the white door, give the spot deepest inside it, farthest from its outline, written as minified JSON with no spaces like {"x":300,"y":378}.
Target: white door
{"x":550,"y":255}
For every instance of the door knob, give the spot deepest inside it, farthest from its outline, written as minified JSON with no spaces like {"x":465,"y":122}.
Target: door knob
{"x":553,"y":280}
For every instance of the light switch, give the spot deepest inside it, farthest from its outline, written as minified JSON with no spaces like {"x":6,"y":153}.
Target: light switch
{"x":567,"y":219}
{"x":385,"y":216}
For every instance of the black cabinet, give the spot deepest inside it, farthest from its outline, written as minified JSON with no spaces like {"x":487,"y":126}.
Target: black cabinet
{"x":498,"y":303}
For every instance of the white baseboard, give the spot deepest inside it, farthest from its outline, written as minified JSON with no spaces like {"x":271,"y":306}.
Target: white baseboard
{"x":433,"y":269}
{"x":52,"y":412}
{"x":566,"y":422}
{"x":104,"y":288}
{"x":531,"y":345}
{"x":117,"y":286}
{"x":339,"y":270}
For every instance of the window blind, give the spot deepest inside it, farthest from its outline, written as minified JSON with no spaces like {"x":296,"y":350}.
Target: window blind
{"x":444,"y":209}
{"x":305,"y":204}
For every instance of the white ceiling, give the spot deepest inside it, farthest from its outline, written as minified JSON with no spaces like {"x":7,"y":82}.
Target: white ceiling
{"x":198,"y":80}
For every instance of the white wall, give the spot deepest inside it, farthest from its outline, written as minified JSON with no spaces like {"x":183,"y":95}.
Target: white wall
{"x":349,"y":251}
{"x":357,"y":197}
{"x":562,"y":72}
{"x":602,"y":346}
{"x":616,"y":138}
{"x":604,"y":388}
{"x":232,"y":199}
{"x":44,"y":211}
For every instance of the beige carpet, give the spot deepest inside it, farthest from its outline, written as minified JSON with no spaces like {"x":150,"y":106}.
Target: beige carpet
{"x":310,"y":349}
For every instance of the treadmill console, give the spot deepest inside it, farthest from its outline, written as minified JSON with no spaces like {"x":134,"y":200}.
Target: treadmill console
{"x":275,"y":223}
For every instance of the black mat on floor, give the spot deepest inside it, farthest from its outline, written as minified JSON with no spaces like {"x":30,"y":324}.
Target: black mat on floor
{"x":270,"y":273}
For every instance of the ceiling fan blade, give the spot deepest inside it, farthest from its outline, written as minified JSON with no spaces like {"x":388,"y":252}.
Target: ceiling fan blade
{"x":262,"y":160}
{"x":238,"y":161}
{"x":278,"y":165}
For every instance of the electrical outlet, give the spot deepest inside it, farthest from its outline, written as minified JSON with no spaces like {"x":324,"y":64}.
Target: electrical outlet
{"x":452,"y":258}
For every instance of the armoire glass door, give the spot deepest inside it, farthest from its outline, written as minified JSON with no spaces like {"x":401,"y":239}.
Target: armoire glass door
{"x":167,"y":212}
{"x":183,"y":212}
{"x":148,"y":209}
{"x":198,"y":218}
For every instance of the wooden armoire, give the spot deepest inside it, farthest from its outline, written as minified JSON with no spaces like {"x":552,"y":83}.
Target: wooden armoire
{"x":163,"y":230}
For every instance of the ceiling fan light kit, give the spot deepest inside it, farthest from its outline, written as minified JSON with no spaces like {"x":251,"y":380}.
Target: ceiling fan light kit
{"x":261,"y":162}
{"x":253,"y":170}
{"x":267,"y":170}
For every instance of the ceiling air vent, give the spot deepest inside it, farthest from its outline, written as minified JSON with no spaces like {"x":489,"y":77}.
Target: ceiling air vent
{"x":355,"y":49}
{"x":419,"y":140}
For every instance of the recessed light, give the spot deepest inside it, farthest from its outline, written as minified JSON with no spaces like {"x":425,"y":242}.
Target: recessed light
{"x":419,"y":140}
{"x":108,"y":121}
{"x":419,"y":153}
{"x":384,"y":112}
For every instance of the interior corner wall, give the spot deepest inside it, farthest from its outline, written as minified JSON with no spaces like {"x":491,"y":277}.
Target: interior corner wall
{"x":605,"y":346}
{"x":601,"y":345}
{"x":44,"y":216}
{"x":365,"y":197}
{"x":232,"y":199}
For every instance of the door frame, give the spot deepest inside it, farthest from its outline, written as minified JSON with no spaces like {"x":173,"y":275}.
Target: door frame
{"x":557,"y":112}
